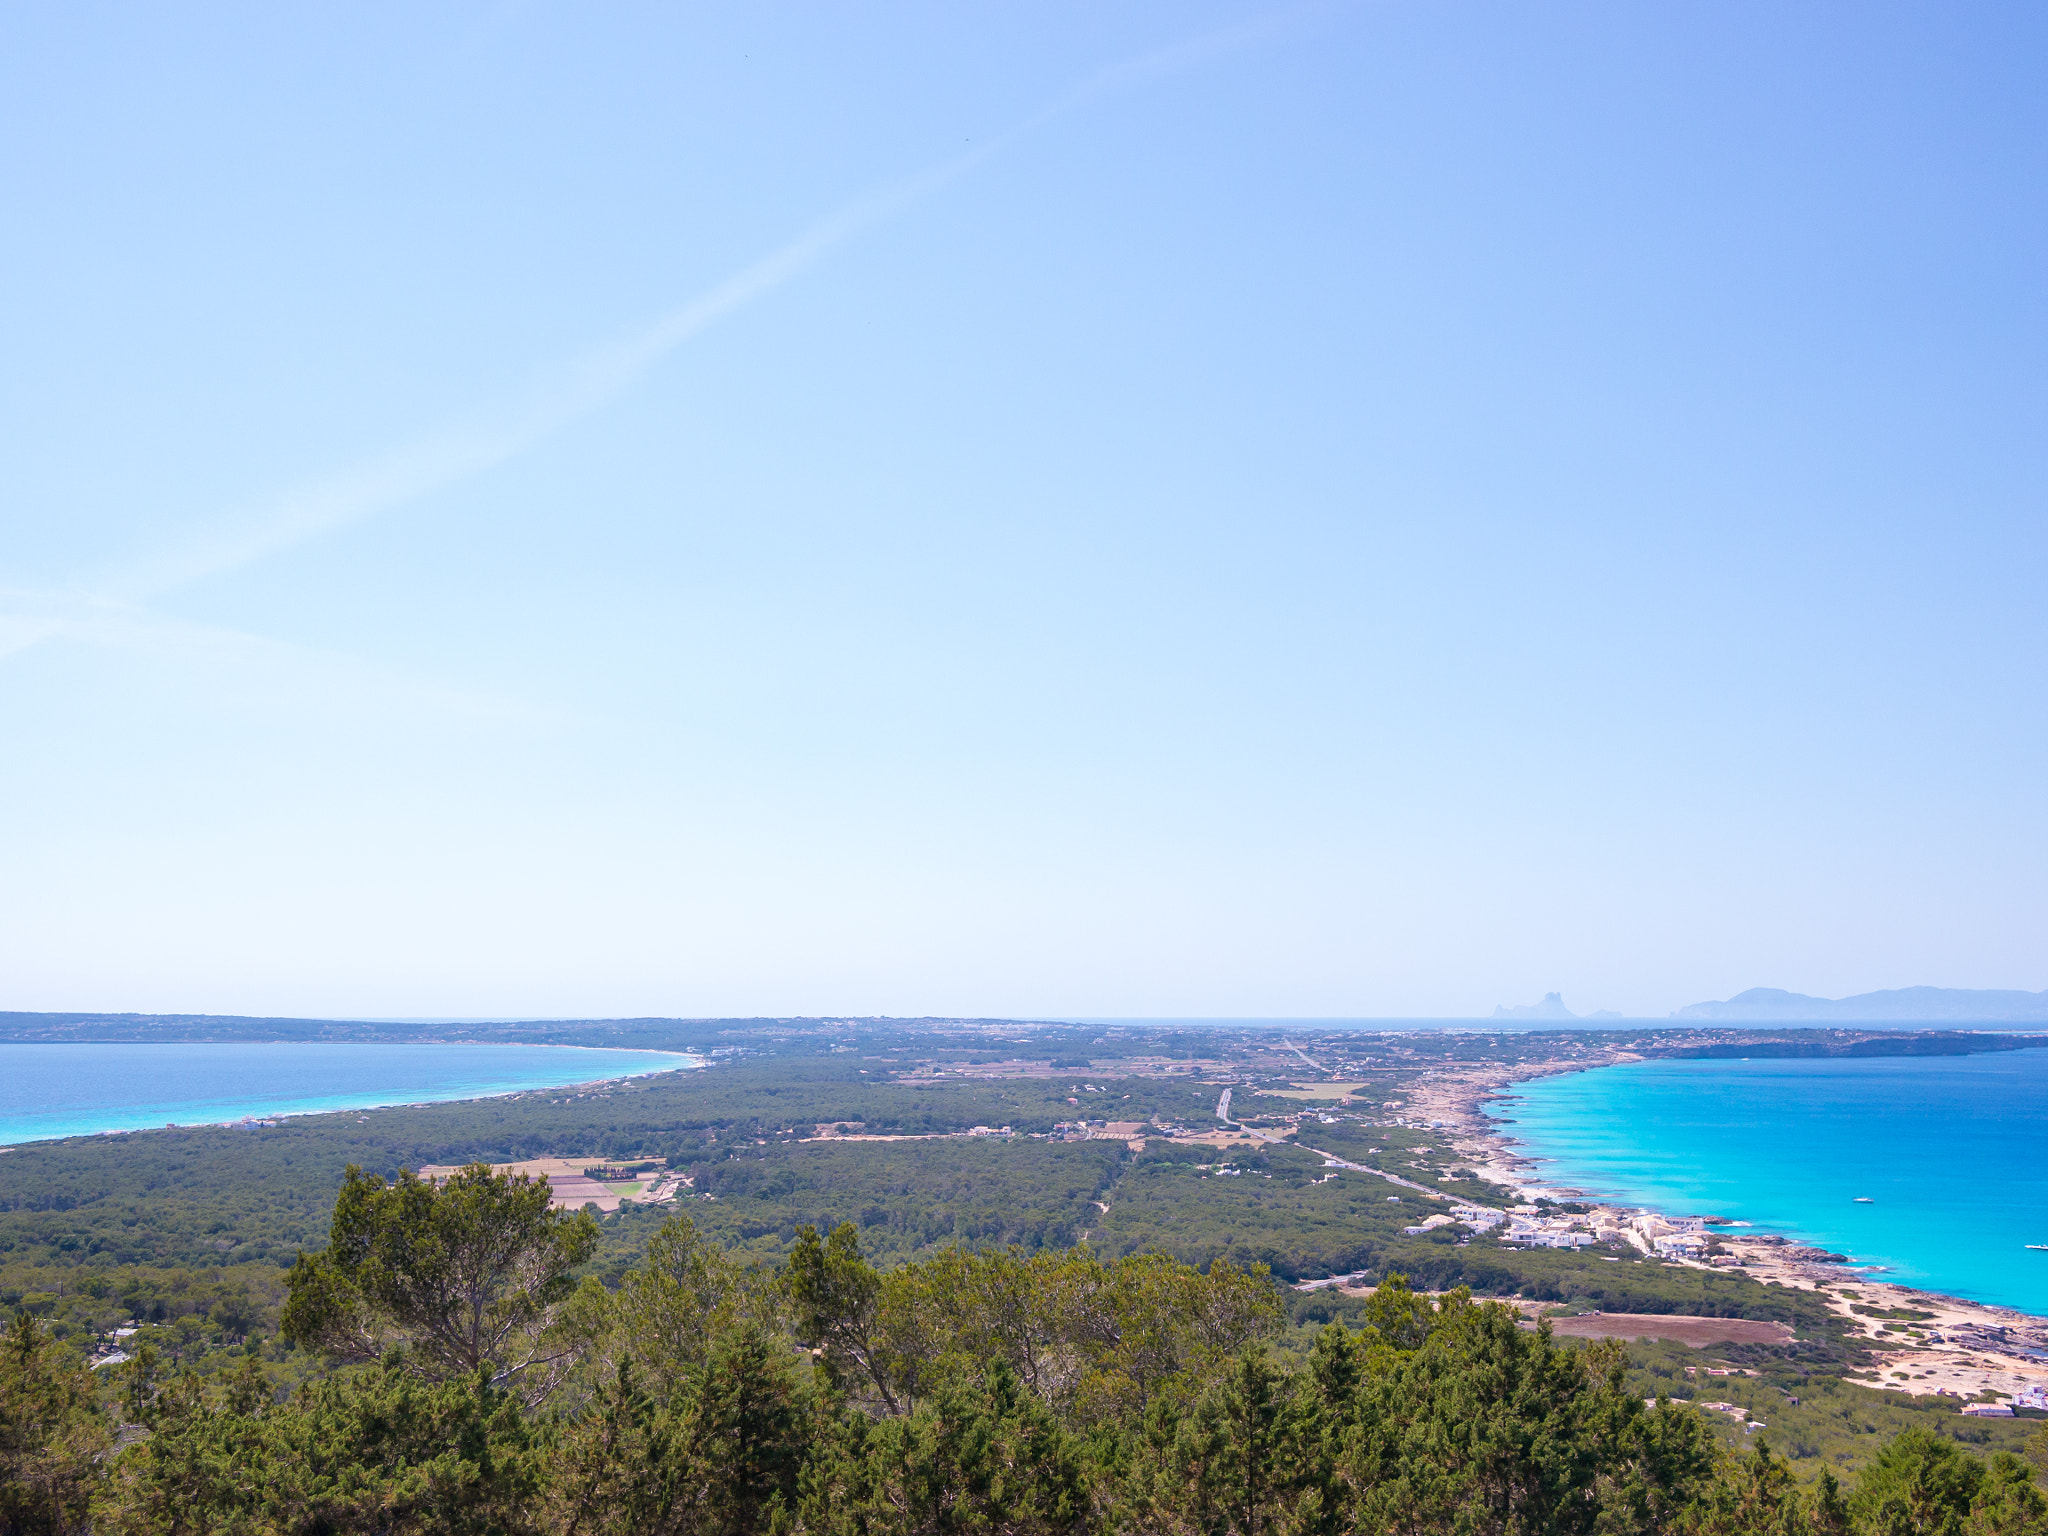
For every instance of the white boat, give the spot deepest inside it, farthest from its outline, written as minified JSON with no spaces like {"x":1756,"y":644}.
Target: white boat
{"x":1865,"y":1200}
{"x":2039,"y":1247}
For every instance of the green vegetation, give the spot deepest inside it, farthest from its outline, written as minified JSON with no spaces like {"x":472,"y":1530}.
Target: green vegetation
{"x":54,"y":1434}
{"x":988,"y":1391}
{"x":909,"y":1197}
{"x":188,"y":1232}
{"x":1017,"y":1332}
{"x":1815,"y":1418}
{"x":458,"y":1278}
{"x":1419,"y":1156}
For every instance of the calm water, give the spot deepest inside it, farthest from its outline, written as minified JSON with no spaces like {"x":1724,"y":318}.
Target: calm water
{"x":1952,"y":1150}
{"x":69,"y":1090}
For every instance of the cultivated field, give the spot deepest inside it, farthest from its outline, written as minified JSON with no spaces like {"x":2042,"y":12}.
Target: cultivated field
{"x":1696,"y":1332}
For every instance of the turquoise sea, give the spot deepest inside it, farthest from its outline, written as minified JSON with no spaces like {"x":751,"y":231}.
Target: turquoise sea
{"x":74,"y":1089}
{"x":1951,"y":1150}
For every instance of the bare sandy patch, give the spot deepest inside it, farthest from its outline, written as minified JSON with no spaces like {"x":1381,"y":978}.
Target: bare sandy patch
{"x":570,"y":1188}
{"x":1695,"y":1332}
{"x":1213,"y":1139}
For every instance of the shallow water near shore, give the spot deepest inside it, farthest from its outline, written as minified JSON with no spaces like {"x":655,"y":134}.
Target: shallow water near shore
{"x":1952,"y":1152}
{"x":74,"y":1089}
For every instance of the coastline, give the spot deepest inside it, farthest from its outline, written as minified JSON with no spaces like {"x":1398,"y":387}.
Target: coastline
{"x":255,"y":1108}
{"x":1960,"y":1348}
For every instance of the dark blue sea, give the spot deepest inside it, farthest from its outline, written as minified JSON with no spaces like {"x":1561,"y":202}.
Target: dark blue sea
{"x":73,"y":1089}
{"x":1951,"y":1151}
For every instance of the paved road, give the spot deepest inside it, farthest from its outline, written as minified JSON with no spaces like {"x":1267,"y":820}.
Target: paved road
{"x":1335,"y":1161}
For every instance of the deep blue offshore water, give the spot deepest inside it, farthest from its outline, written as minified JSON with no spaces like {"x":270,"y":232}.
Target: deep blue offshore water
{"x":1951,"y":1150}
{"x":50,"y":1090}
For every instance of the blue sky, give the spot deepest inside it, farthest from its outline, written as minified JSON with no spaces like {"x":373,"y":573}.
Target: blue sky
{"x":1185,"y":510}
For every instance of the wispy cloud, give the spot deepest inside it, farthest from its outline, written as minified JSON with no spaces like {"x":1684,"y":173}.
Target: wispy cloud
{"x":452,"y":456}
{"x":108,"y":610}
{"x":280,"y":676}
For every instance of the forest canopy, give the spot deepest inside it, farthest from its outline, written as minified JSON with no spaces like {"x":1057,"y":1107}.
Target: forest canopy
{"x":973,"y":1391}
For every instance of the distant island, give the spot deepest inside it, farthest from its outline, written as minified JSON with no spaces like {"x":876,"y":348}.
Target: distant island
{"x":1917,"y":1005}
{"x":1552,"y":1007}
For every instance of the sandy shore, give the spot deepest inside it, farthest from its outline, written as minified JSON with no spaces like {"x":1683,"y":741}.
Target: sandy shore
{"x":1963,"y":1348}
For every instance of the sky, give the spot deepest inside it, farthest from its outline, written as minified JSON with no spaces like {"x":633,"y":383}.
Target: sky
{"x":1188,"y":510}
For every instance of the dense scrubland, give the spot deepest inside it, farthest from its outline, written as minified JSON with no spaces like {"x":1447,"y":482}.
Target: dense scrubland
{"x":170,"y":1224}
{"x":475,"y":1384}
{"x":999,"y":1333}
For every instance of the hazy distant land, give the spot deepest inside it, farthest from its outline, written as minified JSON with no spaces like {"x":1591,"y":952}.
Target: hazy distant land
{"x":1771,"y":1005}
{"x":1915,"y":1005}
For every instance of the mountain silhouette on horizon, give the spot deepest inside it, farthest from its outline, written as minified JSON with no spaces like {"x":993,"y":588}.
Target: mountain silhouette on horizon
{"x":1552,"y":1007}
{"x":1918,"y":1005}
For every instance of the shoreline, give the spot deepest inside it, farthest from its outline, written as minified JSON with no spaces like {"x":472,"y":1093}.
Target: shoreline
{"x":687,"y":1062}
{"x":1962,"y":1348}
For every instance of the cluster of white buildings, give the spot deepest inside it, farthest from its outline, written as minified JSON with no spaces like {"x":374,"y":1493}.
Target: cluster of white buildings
{"x":1533,"y":1226}
{"x":1529,"y":1227}
{"x":1567,"y":1239}
{"x":1430,"y":1224}
{"x":1684,"y":1237}
{"x":2032,"y":1396}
